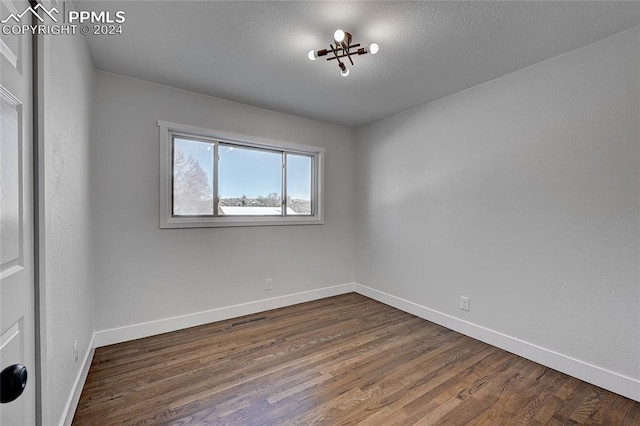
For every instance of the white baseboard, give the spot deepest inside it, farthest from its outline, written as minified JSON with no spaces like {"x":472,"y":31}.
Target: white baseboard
{"x":623,"y":385}
{"x":78,"y":384}
{"x":137,"y":331}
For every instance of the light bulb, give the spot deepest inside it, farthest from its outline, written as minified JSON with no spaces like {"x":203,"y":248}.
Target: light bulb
{"x":344,"y":72}
{"x":312,"y":55}
{"x":338,"y":36}
{"x":373,"y":48}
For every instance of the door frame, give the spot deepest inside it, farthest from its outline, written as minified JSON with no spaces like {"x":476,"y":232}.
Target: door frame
{"x":37,"y":82}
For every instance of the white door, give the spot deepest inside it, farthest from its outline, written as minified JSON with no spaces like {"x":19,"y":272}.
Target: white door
{"x":17,"y":345}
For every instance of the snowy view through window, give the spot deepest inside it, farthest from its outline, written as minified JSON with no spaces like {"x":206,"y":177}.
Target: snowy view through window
{"x":250,"y":180}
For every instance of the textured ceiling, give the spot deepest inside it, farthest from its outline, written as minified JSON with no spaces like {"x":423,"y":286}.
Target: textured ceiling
{"x":255,"y":52}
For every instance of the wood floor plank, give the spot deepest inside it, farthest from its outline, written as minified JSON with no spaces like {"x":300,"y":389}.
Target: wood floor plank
{"x":344,"y":360}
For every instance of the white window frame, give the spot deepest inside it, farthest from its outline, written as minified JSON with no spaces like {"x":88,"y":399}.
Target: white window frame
{"x":168,"y":220}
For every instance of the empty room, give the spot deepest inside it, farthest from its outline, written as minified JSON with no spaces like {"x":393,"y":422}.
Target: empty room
{"x":320,"y":212}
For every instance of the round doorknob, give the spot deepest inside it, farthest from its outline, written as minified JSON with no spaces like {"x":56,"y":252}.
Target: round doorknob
{"x":13,"y":380}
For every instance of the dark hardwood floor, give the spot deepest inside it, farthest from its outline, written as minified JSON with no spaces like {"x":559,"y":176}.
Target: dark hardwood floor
{"x":337,"y":361}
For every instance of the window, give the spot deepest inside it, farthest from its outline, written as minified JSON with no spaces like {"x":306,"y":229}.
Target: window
{"x":211,"y":178}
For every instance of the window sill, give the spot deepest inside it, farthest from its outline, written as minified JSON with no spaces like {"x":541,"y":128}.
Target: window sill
{"x":199,"y":222}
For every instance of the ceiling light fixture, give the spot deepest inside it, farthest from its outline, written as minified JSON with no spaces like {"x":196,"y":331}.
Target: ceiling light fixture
{"x":343,"y":49}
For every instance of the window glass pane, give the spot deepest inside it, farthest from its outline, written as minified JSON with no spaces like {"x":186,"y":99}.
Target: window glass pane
{"x":192,"y":177}
{"x":249,"y":182}
{"x":299,"y":184}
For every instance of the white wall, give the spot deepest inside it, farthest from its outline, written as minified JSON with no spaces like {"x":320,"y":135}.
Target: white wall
{"x":144,"y":273}
{"x":521,"y":193}
{"x":68,"y":287}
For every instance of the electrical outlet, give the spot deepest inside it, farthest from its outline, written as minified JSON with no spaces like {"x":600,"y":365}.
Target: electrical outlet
{"x":267,"y":284}
{"x":75,"y":352}
{"x":464,"y":303}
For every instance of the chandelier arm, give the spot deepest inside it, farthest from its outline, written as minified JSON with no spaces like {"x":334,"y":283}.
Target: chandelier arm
{"x":345,"y":47}
{"x":335,"y":54}
{"x":344,"y":55}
